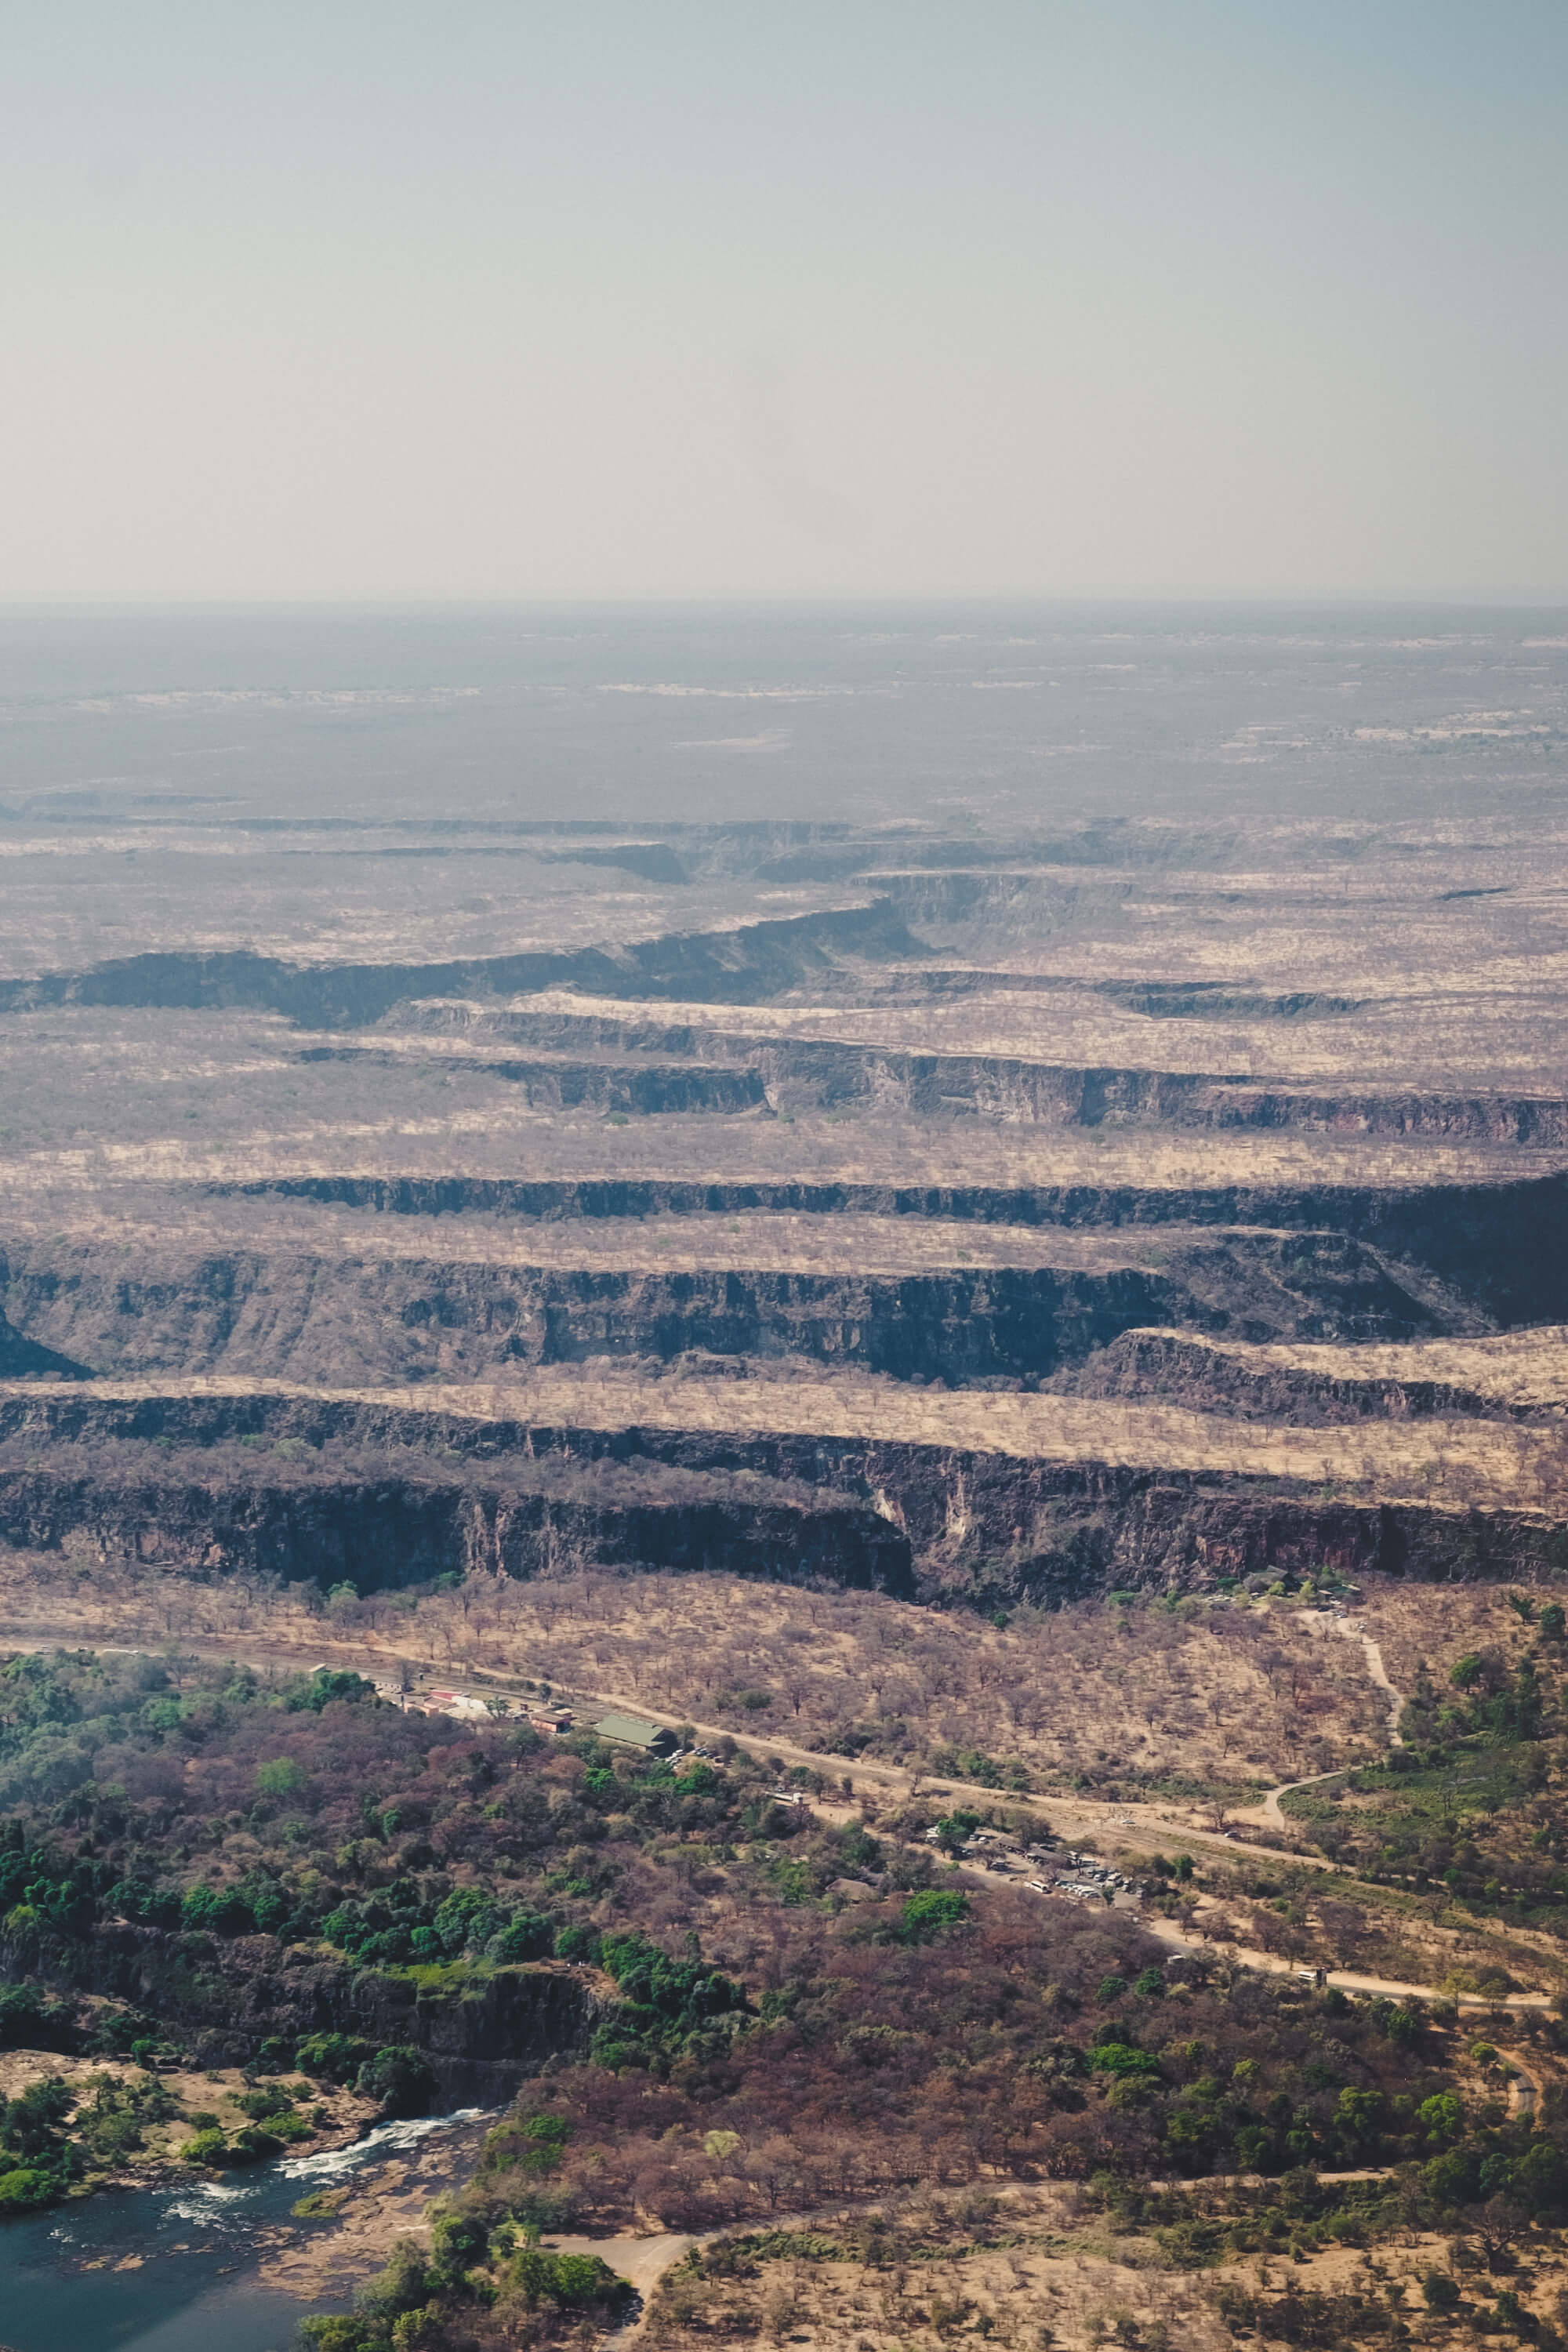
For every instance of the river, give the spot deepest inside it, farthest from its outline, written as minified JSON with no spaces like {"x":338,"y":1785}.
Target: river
{"x":176,"y":2268}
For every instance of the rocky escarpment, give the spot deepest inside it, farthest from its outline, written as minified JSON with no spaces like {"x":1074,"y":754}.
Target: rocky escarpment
{"x":378,"y":1516}
{"x":341,"y":1319}
{"x":745,"y":966}
{"x":1109,"y":1303}
{"x":1168,"y":1367}
{"x":380,"y":1494}
{"x":640,"y":1089}
{"x":827,"y":1074}
{"x":1498,"y":1248}
{"x":226,"y":1996}
{"x":22,"y":1358}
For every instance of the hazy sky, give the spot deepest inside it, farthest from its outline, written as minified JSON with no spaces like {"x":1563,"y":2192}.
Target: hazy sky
{"x":597,"y":298}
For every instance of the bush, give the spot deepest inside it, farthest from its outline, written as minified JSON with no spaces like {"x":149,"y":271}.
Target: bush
{"x":467,"y":1920}
{"x":19,"y":2014}
{"x":324,"y":1686}
{"x":527,"y":1935}
{"x":218,"y":1911}
{"x":575,"y":2282}
{"x":1125,"y":2061}
{"x":333,"y":2057}
{"x":25,"y":2190}
{"x":402,"y":2079}
{"x":577,"y":1942}
{"x":930,"y":1912}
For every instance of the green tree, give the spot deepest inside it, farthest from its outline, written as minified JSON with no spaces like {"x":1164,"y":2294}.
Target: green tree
{"x":931,"y":1912}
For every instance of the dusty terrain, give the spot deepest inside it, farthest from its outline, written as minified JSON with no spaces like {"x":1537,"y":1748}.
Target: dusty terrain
{"x":1232,"y":1159}
{"x":978,"y":1314}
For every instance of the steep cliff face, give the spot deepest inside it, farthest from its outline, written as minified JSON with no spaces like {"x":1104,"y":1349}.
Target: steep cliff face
{"x":399,"y":1520}
{"x":642,"y":1089}
{"x":1500,"y":1249}
{"x":1162,"y":1366}
{"x":22,"y":1358}
{"x":342,"y":1320}
{"x":228,"y":1995}
{"x":742,"y":966}
{"x":162,"y":1478}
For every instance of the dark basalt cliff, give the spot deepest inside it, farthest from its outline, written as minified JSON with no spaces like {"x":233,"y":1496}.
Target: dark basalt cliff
{"x":163,"y":1479}
{"x":397,"y":1522}
{"x":228,"y":1995}
{"x":744,"y":966}
{"x":1500,"y":1249}
{"x":347,"y":1321}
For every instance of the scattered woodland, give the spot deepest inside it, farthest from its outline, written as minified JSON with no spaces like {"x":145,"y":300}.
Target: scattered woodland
{"x":1125,"y":1695}
{"x":784,"y":2010}
{"x":811,"y":1117}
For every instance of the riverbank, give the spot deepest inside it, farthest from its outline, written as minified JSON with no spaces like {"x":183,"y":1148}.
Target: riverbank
{"x":133,"y":2123}
{"x":182,"y":2266}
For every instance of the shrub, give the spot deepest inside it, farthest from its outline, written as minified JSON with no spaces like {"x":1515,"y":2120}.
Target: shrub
{"x":1124,"y":2062}
{"x":577,"y":1942}
{"x":324,"y":1686}
{"x":929,"y":1912}
{"x":575,"y":2281}
{"x":26,"y":2188}
{"x":527,"y":1935}
{"x":333,"y":2057}
{"x":467,"y":1920}
{"x":402,"y":2079}
{"x":218,"y":1911}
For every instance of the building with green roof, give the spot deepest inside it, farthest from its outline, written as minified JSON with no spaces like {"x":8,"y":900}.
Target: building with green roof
{"x":630,"y":1731}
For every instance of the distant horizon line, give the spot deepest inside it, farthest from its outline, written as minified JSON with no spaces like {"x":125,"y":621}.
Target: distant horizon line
{"x":1489,"y":599}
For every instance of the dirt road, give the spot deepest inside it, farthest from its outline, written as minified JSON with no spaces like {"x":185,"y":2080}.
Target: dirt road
{"x":1079,"y":1821}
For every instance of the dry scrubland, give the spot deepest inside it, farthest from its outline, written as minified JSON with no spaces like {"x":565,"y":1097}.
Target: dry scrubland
{"x":1415,"y":1626}
{"x":1093,"y":1695}
{"x":100,"y":1098}
{"x":1407,"y":979}
{"x":1447,"y":1027}
{"x":1041,"y":2272}
{"x":78,"y":896}
{"x":1523,"y":1370}
{"x":1029,"y":2270}
{"x":847,"y":1243}
{"x":1450,"y":1464}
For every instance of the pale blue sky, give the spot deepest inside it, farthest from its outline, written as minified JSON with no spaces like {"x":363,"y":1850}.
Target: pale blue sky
{"x":693,"y":300}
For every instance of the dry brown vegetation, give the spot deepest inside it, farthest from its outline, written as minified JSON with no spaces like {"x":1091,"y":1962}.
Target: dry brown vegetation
{"x":1039,"y":2268}
{"x":1415,"y":1626}
{"x":1521,"y":1369}
{"x":847,"y":1243}
{"x":104,"y":1101}
{"x":1450,"y":1464}
{"x":1092,"y":1695}
{"x":366,"y":899}
{"x":1432,"y":1019}
{"x":1044,"y":2273}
